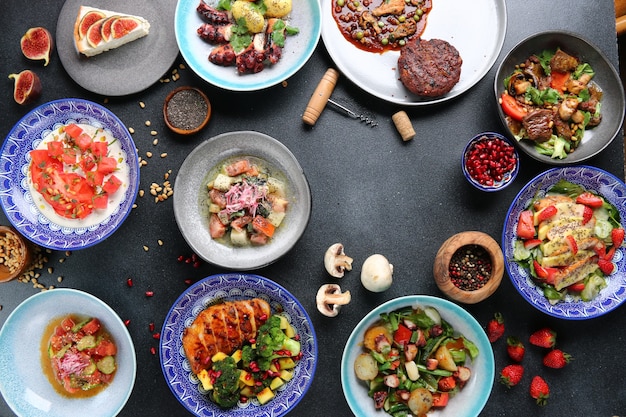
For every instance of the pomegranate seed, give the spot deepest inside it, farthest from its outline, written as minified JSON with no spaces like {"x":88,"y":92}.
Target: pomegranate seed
{"x":188,"y":281}
{"x":490,"y":161}
{"x":126,"y":322}
{"x":156,"y":335}
{"x":153,"y":350}
{"x":151,"y":327}
{"x":149,"y":293}
{"x":180,"y":258}
{"x":129,"y":282}
{"x":196,"y":264}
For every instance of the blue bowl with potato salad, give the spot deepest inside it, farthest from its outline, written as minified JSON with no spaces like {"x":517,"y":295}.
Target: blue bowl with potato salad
{"x":467,"y":342}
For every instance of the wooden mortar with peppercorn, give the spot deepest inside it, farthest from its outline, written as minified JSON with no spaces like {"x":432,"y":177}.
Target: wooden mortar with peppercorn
{"x":469,"y":266}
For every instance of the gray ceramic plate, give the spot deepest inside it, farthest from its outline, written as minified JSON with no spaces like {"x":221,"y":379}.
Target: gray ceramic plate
{"x":191,"y":196}
{"x":606,"y":77}
{"x":130,"y":68}
{"x":452,"y":21}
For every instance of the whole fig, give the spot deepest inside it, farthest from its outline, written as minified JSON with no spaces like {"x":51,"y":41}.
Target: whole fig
{"x":27,"y":87}
{"x":37,"y":44}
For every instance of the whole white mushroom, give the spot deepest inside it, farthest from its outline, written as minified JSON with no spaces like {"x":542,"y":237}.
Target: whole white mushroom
{"x":376,"y":273}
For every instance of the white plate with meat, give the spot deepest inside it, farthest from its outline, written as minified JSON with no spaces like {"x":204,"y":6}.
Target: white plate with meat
{"x":476,"y":29}
{"x":305,"y":16}
{"x":210,"y":291}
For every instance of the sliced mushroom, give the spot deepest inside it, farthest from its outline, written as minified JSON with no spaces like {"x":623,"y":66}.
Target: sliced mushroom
{"x":330,"y":299}
{"x":336,"y":261}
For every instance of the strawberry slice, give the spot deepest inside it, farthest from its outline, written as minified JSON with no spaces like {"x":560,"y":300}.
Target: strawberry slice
{"x":571,"y":242}
{"x":606,"y":266}
{"x":617,"y":237}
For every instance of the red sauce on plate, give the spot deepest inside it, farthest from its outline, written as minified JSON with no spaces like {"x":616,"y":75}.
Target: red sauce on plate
{"x":366,"y":25}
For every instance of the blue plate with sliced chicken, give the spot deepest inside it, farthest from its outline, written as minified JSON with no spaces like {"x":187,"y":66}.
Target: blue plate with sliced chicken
{"x":244,"y":48}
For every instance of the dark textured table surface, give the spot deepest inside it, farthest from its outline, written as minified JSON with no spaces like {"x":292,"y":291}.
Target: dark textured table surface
{"x":371,"y":191}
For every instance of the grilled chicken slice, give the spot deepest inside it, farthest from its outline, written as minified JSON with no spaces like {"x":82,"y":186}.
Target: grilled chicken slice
{"x":223,"y":328}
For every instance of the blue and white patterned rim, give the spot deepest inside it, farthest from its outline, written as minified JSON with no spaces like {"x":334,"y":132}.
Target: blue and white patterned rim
{"x":15,"y":196}
{"x":229,"y":287}
{"x":595,"y":179}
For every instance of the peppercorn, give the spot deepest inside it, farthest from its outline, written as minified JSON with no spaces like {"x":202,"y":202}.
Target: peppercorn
{"x":470,"y":267}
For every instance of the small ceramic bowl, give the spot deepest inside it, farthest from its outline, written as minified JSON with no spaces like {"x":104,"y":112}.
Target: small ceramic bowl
{"x":186,"y":110}
{"x":458,"y":288}
{"x":490,"y":162}
{"x":16,"y":254}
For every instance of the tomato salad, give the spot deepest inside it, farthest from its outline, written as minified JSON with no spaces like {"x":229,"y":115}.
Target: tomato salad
{"x":74,"y":171}
{"x":247,"y":203}
{"x":413,"y":361}
{"x":550,"y":99}
{"x":81,"y":354}
{"x":567,"y":240}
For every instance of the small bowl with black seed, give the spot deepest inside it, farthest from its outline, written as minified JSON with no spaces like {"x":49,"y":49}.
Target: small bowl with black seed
{"x":469,"y":266}
{"x":186,"y":110}
{"x":490,"y":162}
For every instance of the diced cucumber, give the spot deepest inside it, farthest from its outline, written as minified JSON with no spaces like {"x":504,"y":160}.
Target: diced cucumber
{"x":90,"y":369}
{"x":87,"y":342}
{"x":603,"y":229}
{"x":592,"y":287}
{"x":520,"y":252}
{"x":106,"y":365}
{"x":601,"y":213}
{"x":76,"y":328}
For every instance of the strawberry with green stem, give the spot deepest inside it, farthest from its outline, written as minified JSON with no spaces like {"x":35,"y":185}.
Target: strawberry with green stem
{"x":511,"y":375}
{"x":539,"y":390}
{"x":495,"y":327}
{"x":545,"y":338}
{"x":515,"y":348}
{"x":556,"y":359}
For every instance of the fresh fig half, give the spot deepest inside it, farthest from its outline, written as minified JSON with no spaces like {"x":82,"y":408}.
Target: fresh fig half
{"x":27,"y":87}
{"x":37,"y":44}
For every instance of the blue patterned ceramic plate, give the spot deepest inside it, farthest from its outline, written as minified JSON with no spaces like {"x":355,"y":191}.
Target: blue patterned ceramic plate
{"x":594,"y":179}
{"x":305,"y":15}
{"x":231,"y":287}
{"x":26,"y":388}
{"x":468,"y":402}
{"x":15,"y":196}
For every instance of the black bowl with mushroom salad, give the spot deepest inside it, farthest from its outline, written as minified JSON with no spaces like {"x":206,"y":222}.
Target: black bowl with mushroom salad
{"x":559,"y":97}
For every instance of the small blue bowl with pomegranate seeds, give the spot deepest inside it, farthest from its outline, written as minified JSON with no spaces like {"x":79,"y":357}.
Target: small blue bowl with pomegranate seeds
{"x":490,"y":161}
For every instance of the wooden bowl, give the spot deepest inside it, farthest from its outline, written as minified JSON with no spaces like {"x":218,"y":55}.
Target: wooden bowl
{"x":193,"y":116}
{"x":441,"y":268}
{"x":19,"y":247}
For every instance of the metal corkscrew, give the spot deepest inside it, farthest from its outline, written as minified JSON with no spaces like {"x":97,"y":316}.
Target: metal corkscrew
{"x":321,"y":96}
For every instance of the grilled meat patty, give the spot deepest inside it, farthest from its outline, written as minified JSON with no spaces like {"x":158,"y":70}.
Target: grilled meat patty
{"x":429,"y":68}
{"x":223,"y":328}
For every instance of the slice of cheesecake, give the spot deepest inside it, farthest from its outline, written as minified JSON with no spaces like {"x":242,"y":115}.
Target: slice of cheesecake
{"x":98,"y":30}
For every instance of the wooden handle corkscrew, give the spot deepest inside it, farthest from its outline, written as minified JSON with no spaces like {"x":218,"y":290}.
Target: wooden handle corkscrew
{"x":320,"y":97}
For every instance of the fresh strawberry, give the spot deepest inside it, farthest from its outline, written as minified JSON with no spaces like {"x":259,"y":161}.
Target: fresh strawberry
{"x":617,"y":237}
{"x":606,"y":266}
{"x":587,"y":214}
{"x":571,"y":242}
{"x":495,"y":327}
{"x":590,"y":199}
{"x":515,"y":348}
{"x":539,"y":390}
{"x":511,"y":375}
{"x":544,"y":337}
{"x":556,"y":359}
{"x":546,"y":213}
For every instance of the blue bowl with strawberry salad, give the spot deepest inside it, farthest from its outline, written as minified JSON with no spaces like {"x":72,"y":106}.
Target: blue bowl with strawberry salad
{"x":490,"y":162}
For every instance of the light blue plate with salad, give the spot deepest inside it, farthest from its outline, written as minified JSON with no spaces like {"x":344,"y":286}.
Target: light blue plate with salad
{"x":24,"y":385}
{"x":305,"y":16}
{"x":572,"y":308}
{"x":186,"y":386}
{"x":468,"y":402}
{"x":21,"y":205}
